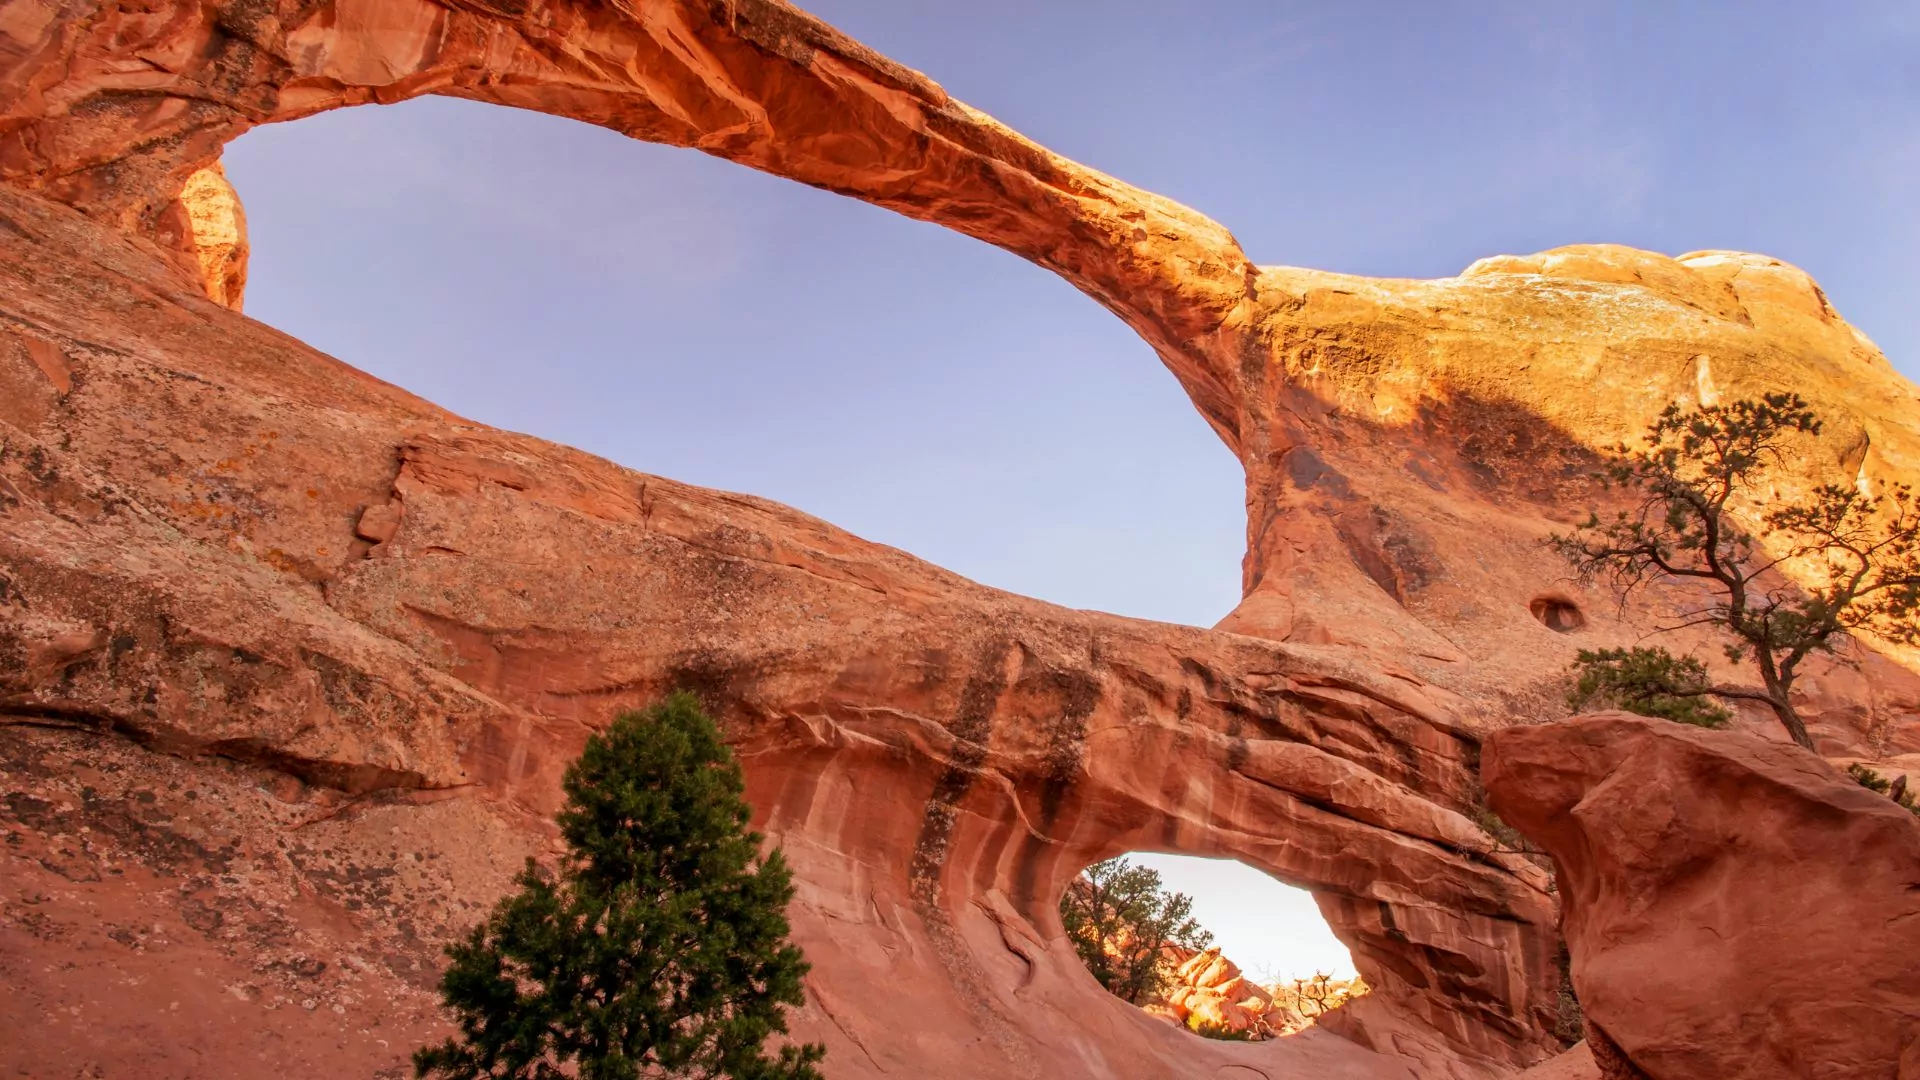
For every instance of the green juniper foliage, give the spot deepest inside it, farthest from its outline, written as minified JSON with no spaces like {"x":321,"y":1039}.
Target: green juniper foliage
{"x":1651,"y":682}
{"x":658,"y":948}
{"x":1892,"y":789}
{"x":1858,"y":554}
{"x":1119,"y":918}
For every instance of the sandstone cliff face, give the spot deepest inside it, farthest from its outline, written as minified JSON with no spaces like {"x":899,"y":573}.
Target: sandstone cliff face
{"x":1414,"y":440}
{"x":324,"y":577}
{"x":1405,"y":443}
{"x":214,"y":540}
{"x":1793,"y":891}
{"x":218,"y":232}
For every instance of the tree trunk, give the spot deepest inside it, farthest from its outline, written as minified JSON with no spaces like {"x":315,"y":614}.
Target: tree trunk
{"x":1791,"y":721}
{"x":1779,"y":683}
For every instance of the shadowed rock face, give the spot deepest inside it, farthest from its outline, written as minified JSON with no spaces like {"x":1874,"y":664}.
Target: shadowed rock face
{"x":323,"y":576}
{"x":1794,"y":891}
{"x":216,"y":540}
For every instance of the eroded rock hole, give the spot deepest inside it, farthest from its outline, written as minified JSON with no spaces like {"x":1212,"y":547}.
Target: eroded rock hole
{"x":1212,"y":945}
{"x":1557,"y":613}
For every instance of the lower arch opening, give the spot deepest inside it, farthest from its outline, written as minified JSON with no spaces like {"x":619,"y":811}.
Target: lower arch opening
{"x":1208,"y":944}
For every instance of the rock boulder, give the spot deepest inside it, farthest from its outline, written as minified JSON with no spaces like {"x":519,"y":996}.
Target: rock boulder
{"x":1736,"y":909}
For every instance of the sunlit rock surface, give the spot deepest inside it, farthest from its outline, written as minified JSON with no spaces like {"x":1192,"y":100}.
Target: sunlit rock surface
{"x":217,"y":541}
{"x":217,"y":227}
{"x":1207,"y":991}
{"x":1791,"y":892}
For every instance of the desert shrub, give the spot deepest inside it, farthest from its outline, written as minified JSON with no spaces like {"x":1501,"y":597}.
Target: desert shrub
{"x":1318,"y":995}
{"x":659,"y":945}
{"x":1569,"y":1020}
{"x":1858,"y":553}
{"x":1120,"y":919}
{"x":1209,"y":1030}
{"x":1893,"y":789}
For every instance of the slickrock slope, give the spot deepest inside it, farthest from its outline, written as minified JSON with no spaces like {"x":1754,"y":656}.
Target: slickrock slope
{"x":1793,"y":891}
{"x":1405,"y":443}
{"x":326,"y":578}
{"x":215,"y":540}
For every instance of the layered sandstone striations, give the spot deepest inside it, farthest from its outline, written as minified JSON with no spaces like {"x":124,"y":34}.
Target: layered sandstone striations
{"x":215,"y":540}
{"x":1405,"y":443}
{"x":1793,"y":891}
{"x":328,"y":579}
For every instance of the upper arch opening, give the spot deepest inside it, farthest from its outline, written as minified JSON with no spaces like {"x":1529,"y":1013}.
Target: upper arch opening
{"x":1449,"y":927}
{"x":723,"y":327}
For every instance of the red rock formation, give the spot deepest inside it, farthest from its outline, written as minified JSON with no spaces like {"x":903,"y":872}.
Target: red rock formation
{"x":218,"y":230}
{"x":1208,"y":990}
{"x":172,"y":919}
{"x":1735,"y":908}
{"x":325,"y":577}
{"x":1405,"y":443}
{"x":1575,"y":1064}
{"x":216,"y":540}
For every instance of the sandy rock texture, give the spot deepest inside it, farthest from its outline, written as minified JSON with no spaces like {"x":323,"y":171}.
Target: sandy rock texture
{"x":215,"y":541}
{"x":175,"y":920}
{"x":324,"y":578}
{"x":218,"y":229}
{"x":1575,"y":1064}
{"x":1792,"y":891}
{"x":1406,"y":444}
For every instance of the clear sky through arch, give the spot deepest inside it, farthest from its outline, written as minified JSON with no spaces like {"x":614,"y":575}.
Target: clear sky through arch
{"x":689,"y":317}
{"x":1275,"y":932}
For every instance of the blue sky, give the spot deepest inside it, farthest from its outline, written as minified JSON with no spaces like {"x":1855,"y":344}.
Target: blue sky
{"x":687,"y":317}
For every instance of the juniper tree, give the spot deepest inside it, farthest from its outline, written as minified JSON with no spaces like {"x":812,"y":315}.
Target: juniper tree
{"x":1648,"y":681}
{"x":658,"y":947}
{"x":1856,"y":556}
{"x":1120,"y":920}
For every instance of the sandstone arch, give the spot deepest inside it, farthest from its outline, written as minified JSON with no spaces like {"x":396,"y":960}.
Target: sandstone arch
{"x":1383,"y":426}
{"x":937,"y":757}
{"x":888,"y":712}
{"x":112,"y":115}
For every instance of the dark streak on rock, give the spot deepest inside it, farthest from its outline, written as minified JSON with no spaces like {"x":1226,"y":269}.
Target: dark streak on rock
{"x":972,"y":729}
{"x":1078,"y":693}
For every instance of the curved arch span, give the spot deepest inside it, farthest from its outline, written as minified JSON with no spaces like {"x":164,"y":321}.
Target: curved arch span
{"x":938,"y":759}
{"x":145,"y":102}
